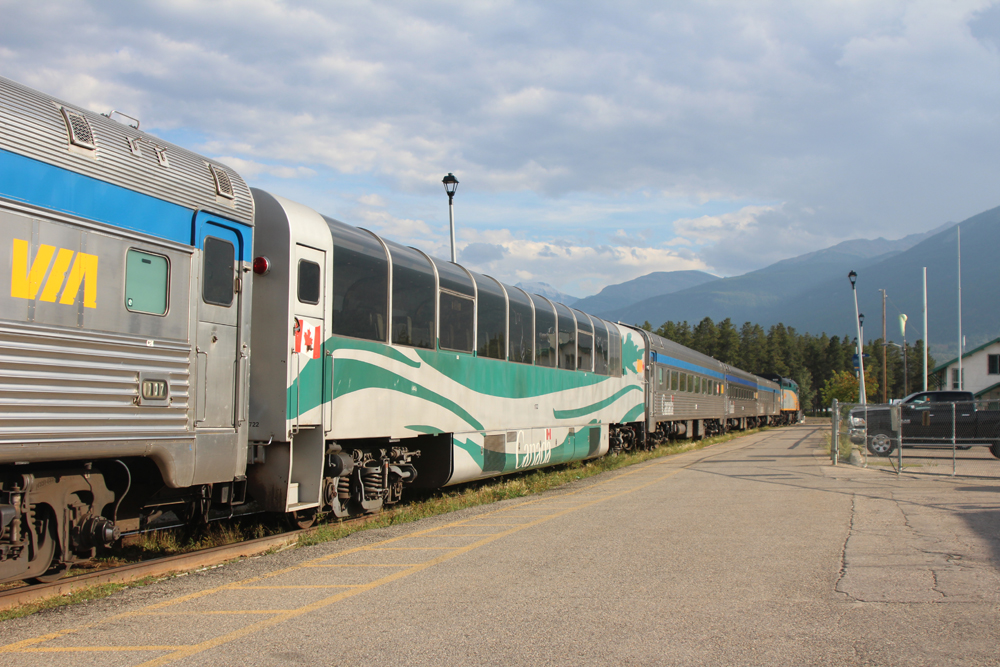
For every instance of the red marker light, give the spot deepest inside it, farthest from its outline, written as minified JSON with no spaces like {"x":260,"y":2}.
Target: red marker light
{"x":261,"y":266}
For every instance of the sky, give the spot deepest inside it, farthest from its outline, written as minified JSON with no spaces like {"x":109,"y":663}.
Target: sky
{"x":594,"y":142}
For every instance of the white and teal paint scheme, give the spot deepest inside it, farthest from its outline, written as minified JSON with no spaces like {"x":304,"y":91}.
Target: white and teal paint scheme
{"x":365,"y":363}
{"x":503,"y":417}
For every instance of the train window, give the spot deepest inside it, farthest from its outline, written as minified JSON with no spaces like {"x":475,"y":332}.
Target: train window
{"x":217,"y":277}
{"x":413,"y":297}
{"x":614,"y":352}
{"x":360,"y":283}
{"x":147,"y":278}
{"x":673,"y":380}
{"x":454,"y":278}
{"x":600,"y":347}
{"x":697,"y":385}
{"x":545,"y":332}
{"x":521,"y":326}
{"x":455,"y":325}
{"x":491,"y":318}
{"x":584,"y":342}
{"x":567,"y":337}
{"x":308,"y":291}
{"x":456,"y":307}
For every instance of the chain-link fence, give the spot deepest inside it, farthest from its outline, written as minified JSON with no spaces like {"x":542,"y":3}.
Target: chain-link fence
{"x":960,"y":438}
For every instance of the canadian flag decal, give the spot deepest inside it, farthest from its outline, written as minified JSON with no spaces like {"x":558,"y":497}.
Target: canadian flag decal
{"x":308,"y":338}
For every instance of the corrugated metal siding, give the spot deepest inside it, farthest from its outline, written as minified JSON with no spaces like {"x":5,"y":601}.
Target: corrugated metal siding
{"x":61,"y":387}
{"x":31,"y":124}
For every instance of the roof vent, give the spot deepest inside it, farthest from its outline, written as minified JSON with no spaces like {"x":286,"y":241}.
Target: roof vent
{"x":161,"y":156}
{"x":135,"y":145}
{"x":223,"y":186}
{"x":79,"y":130}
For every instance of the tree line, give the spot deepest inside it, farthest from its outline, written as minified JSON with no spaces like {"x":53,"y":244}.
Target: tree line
{"x":823,"y":366}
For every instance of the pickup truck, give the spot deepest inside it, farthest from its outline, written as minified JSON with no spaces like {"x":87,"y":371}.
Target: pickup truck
{"x":925,"y":419}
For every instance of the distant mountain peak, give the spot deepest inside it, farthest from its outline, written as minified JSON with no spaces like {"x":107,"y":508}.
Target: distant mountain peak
{"x":548,"y":291}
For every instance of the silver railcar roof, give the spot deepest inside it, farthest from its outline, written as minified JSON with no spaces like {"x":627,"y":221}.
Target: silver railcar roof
{"x":33,"y":124}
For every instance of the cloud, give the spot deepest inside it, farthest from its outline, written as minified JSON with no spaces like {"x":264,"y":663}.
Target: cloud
{"x":717,"y":227}
{"x":679,"y":125}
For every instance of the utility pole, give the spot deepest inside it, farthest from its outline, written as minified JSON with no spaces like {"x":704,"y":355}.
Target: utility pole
{"x":885,"y":376}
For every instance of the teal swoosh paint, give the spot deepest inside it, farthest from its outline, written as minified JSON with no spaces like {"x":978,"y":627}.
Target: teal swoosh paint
{"x":633,"y":414}
{"x":350,"y":375}
{"x":506,"y":379}
{"x":600,"y":405}
{"x":338,"y":343}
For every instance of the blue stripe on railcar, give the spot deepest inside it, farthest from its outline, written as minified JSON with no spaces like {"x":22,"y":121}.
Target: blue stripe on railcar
{"x":694,"y":368}
{"x":40,"y":184}
{"x":737,"y":380}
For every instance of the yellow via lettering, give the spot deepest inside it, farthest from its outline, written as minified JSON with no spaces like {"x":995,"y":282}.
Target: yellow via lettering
{"x":25,"y":282}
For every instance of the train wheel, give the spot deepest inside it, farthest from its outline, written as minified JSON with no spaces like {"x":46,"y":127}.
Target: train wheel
{"x":44,"y":547}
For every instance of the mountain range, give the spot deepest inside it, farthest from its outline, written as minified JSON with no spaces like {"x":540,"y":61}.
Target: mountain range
{"x":812,"y":293}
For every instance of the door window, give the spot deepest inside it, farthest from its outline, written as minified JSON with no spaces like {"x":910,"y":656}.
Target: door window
{"x":217,"y":276}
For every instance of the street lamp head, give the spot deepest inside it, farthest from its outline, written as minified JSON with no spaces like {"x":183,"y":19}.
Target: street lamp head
{"x":861,"y":319}
{"x":853,"y":277}
{"x":450,"y":184}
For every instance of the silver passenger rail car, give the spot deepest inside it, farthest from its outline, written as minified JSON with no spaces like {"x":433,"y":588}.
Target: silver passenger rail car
{"x":685,"y":391}
{"x":124,"y":324}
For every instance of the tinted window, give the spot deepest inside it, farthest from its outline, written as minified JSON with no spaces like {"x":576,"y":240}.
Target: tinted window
{"x":545,"y":332}
{"x":521,"y":326}
{"x":146,"y":280}
{"x":615,"y":352}
{"x":456,"y":307}
{"x":673,"y":380}
{"x":600,"y":347}
{"x":217,"y":277}
{"x":308,"y":282}
{"x":567,"y":337}
{"x":360,"y":283}
{"x":456,"y":322}
{"x":413,"y":297}
{"x":454,"y":278}
{"x":491,"y":319}
{"x":584,"y":342}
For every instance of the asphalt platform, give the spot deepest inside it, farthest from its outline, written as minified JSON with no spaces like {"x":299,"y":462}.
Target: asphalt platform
{"x":752,"y":552}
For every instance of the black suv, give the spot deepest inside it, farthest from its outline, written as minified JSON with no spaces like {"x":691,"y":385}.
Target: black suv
{"x":928,"y":419}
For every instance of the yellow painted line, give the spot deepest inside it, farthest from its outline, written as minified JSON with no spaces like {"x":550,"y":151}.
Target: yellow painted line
{"x":499,"y":525}
{"x":411,"y":548}
{"x":362,"y":565}
{"x":91,"y":649}
{"x":24,"y":645}
{"x":279,"y":588}
{"x":225,"y":612}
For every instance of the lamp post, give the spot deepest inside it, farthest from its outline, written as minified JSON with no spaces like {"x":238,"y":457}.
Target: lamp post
{"x":853,"y":277}
{"x":450,"y":185}
{"x":902,"y":328}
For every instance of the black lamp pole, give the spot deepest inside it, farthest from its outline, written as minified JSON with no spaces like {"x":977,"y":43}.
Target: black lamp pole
{"x":450,"y":185}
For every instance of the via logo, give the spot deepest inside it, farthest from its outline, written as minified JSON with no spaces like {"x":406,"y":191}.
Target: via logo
{"x":49,"y":277}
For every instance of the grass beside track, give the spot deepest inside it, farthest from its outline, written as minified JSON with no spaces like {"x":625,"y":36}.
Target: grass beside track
{"x":518,"y":485}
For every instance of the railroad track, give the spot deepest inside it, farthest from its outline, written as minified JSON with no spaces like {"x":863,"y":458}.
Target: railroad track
{"x":155,"y":567}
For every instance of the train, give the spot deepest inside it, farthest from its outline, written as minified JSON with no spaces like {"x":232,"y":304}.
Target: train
{"x":177,"y":346}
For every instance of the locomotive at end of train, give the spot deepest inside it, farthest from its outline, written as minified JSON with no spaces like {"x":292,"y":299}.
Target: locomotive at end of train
{"x":139,"y":278}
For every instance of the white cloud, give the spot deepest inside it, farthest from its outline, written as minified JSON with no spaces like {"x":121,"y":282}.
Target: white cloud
{"x":716,"y":227}
{"x":865,"y":119}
